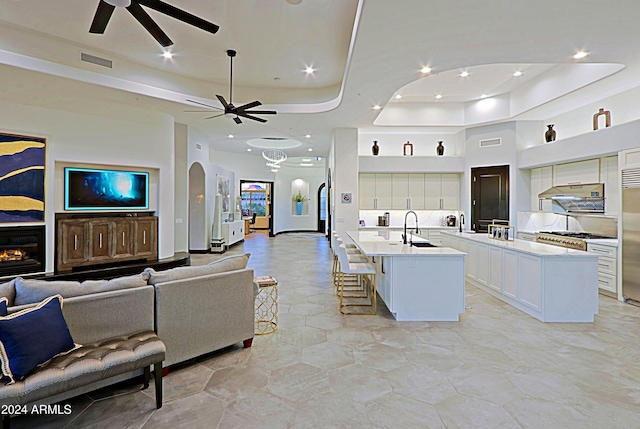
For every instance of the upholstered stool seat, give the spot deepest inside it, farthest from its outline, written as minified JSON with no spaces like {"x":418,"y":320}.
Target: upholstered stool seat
{"x":366,"y":277}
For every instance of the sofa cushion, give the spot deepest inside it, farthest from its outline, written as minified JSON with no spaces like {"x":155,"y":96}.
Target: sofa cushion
{"x":3,"y":306}
{"x":32,"y":337}
{"x":230,"y":263}
{"x":9,"y":290}
{"x":30,"y":291}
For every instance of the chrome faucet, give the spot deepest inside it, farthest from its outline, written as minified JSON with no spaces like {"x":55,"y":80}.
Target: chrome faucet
{"x":404,"y":236}
{"x":461,"y":221}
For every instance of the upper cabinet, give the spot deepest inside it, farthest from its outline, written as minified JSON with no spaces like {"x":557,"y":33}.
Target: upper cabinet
{"x":408,"y":191}
{"x":609,"y":176}
{"x":374,"y":191}
{"x":575,"y":173}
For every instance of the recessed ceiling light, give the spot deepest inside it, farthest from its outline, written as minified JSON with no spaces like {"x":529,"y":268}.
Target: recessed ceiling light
{"x":425,"y":70}
{"x":248,"y":149}
{"x":230,"y":136}
{"x":294,"y":2}
{"x":517,"y":73}
{"x":309,"y":70}
{"x":483,"y":96}
{"x":307,"y":136}
{"x":438,"y":96}
{"x":580,"y":54}
{"x":306,"y":164}
{"x":464,"y":73}
{"x":377,"y":107}
{"x":310,"y":149}
{"x":398,"y":96}
{"x":274,"y":170}
{"x":168,"y":55}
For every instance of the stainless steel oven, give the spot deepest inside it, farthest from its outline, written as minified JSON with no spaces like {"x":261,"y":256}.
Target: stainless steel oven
{"x":571,"y":240}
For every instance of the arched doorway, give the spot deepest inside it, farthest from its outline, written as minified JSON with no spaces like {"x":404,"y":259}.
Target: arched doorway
{"x":322,"y":208}
{"x":198,"y":231}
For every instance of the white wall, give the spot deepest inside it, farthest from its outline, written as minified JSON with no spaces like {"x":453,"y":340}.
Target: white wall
{"x":110,"y":139}
{"x":284,"y":219}
{"x":344,"y":155}
{"x":181,"y":205}
{"x":392,"y":140}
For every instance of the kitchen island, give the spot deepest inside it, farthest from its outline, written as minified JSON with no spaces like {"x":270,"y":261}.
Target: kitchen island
{"x":552,"y":284}
{"x":415,"y":283}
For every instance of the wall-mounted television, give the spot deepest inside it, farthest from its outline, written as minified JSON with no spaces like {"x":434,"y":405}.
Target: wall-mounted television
{"x":98,"y":189}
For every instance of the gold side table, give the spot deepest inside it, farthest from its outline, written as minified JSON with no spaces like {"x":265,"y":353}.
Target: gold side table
{"x":266,"y":315}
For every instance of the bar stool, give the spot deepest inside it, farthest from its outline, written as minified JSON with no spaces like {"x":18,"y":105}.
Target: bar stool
{"x":353,"y":256}
{"x":366,"y":275}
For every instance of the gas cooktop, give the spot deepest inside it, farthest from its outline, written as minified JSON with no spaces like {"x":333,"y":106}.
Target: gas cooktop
{"x":583,"y":235}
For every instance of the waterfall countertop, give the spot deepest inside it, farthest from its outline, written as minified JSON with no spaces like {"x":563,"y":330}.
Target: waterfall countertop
{"x":389,"y":243}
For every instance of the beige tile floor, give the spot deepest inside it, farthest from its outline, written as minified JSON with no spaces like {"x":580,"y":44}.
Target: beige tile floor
{"x":496,"y":368}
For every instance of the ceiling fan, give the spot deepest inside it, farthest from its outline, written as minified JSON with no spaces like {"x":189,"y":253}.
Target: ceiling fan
{"x":229,"y":108}
{"x":106,"y":8}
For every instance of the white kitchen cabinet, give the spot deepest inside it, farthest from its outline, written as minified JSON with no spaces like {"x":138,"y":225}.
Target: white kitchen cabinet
{"x":607,"y":267}
{"x":574,"y":173}
{"x":232,"y":232}
{"x":442,"y":191}
{"x":374,"y":191}
{"x":407,"y":191}
{"x":482,"y":264}
{"x":472,"y":260}
{"x":541,"y":180}
{"x":609,"y":176}
{"x":495,"y":269}
{"x":530,"y":281}
{"x":510,"y":279}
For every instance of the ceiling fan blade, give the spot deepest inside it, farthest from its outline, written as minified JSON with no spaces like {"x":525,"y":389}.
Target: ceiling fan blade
{"x":101,"y":18}
{"x":249,"y":105}
{"x":237,"y":120}
{"x":224,"y":103}
{"x":262,"y":112}
{"x":203,"y":104}
{"x":255,"y":118}
{"x":143,"y":17}
{"x":214,"y":116}
{"x":180,"y":15}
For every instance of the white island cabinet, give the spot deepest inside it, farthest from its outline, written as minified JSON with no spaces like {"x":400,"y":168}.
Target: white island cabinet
{"x":416,"y":283}
{"x":550,"y":283}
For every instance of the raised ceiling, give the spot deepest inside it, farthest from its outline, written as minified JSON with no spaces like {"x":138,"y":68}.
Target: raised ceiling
{"x":363,"y":52}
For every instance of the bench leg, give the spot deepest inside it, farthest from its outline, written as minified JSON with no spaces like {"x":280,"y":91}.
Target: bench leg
{"x":147,"y":376}
{"x":6,"y":423}
{"x":247,"y":343}
{"x":158,"y":382}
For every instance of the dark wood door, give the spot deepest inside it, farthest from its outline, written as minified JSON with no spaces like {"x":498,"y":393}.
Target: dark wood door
{"x":100,"y":237}
{"x":489,"y":196}
{"x":72,"y":242}
{"x":146,"y":237}
{"x":123,"y":238}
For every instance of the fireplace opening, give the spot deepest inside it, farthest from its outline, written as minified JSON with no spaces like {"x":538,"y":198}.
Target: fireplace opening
{"x":21,"y":250}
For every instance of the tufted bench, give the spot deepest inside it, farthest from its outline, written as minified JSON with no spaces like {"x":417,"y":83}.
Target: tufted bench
{"x":115,"y":330}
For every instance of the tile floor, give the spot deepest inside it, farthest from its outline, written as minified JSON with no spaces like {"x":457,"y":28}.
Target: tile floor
{"x":496,"y":368}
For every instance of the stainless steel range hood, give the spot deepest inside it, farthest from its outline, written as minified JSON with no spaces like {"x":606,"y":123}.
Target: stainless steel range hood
{"x":587,"y":198}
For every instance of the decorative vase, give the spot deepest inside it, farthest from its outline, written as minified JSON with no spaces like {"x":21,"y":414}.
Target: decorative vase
{"x":407,"y":149}
{"x":375,"y":148}
{"x":440,"y":149}
{"x":607,"y":118}
{"x":299,"y":208}
{"x":550,"y":134}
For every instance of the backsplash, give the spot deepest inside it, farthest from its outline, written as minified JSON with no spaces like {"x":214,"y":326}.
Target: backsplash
{"x":533,"y":222}
{"x":425,"y":217}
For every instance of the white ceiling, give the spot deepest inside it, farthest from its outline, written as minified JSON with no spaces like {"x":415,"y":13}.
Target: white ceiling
{"x":364,"y":53}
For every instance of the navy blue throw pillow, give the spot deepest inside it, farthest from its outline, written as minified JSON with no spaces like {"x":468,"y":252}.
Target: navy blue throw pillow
{"x":3,"y":306}
{"x":32,"y":337}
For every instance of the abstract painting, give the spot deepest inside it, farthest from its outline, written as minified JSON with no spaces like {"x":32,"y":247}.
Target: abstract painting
{"x":223,"y":189}
{"x":21,"y":178}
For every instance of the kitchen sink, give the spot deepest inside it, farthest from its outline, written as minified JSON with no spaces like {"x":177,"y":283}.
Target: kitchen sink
{"x":421,"y":244}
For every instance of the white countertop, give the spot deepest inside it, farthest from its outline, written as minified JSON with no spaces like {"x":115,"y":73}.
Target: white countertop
{"x":523,"y":246}
{"x":392,"y":227}
{"x":389,"y":243}
{"x":612,"y":242}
